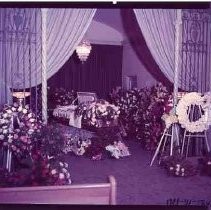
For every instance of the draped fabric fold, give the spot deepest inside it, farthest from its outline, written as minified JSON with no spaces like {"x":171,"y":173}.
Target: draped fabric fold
{"x":65,"y":30}
{"x":158,"y":29}
{"x":139,"y":44}
{"x":20,"y":43}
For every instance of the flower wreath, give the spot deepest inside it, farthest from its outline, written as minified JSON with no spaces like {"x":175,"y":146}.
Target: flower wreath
{"x":17,"y":124}
{"x":184,"y":104}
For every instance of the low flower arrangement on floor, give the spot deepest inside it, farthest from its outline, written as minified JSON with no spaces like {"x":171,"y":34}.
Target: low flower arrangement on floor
{"x":178,"y":166}
{"x":98,"y":114}
{"x":42,"y":172}
{"x":106,"y":142}
{"x":141,"y":111}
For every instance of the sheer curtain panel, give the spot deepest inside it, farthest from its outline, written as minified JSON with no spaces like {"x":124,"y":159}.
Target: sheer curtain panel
{"x":158,"y":28}
{"x":21,"y":39}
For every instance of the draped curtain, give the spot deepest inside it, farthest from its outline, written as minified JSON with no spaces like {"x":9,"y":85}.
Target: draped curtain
{"x":20,"y":40}
{"x":158,"y":29}
{"x":138,"y":42}
{"x":100,"y":73}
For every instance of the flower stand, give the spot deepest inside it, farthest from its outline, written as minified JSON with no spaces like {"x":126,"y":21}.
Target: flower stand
{"x":6,"y":158}
{"x":169,"y":134}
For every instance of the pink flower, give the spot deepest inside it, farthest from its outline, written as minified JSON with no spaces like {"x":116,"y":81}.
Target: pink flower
{"x":24,"y":138}
{"x":97,"y":157}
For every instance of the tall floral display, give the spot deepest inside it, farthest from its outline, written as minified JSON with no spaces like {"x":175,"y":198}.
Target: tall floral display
{"x":141,"y":111}
{"x":31,"y":152}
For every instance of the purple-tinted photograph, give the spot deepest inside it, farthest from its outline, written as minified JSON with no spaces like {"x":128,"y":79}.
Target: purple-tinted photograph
{"x":105,"y":103}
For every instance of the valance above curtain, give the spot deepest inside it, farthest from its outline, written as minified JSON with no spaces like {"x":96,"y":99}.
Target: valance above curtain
{"x":158,"y":29}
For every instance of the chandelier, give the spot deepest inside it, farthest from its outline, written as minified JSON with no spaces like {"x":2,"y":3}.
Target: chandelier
{"x":83,"y":50}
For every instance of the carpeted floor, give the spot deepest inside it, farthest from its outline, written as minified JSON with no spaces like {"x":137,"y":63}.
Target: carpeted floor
{"x":138,"y":183}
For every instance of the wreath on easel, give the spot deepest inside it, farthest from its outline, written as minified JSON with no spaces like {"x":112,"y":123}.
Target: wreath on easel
{"x":17,"y":124}
{"x":188,"y":101}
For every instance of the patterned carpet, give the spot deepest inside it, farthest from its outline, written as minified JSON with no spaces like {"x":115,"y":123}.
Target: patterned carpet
{"x":137,"y":182}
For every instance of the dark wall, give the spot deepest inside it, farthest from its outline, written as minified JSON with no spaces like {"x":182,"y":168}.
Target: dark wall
{"x":100,"y":73}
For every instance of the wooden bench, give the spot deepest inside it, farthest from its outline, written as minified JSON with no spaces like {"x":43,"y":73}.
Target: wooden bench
{"x":102,"y":193}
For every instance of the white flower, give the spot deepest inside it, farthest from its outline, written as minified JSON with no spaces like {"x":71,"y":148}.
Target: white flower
{"x":24,"y":111}
{"x":1,"y":137}
{"x":53,"y":171}
{"x":65,"y":165}
{"x":81,"y":151}
{"x":13,"y":109}
{"x":115,"y":152}
{"x":61,"y":164}
{"x":177,"y":173}
{"x":20,"y":108}
{"x":30,"y":115}
{"x":30,"y":131}
{"x":5,"y":115}
{"x":209,"y":163}
{"x":182,"y":169}
{"x":64,"y":170}
{"x":178,"y":165}
{"x":171,"y":168}
{"x":9,"y":111}
{"x":10,"y":140}
{"x":2,"y":121}
{"x":31,"y":120}
{"x":5,"y":131}
{"x":61,"y":176}
{"x":93,"y":119}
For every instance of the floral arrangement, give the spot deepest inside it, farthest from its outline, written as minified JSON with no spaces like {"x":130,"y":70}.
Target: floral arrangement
{"x":17,"y":125}
{"x":45,"y":166}
{"x":141,"y":111}
{"x":43,"y":172}
{"x":59,"y":172}
{"x":98,"y":114}
{"x":48,"y":168}
{"x":118,"y":149}
{"x":178,"y":166}
{"x":183,"y":109}
{"x":169,"y":119}
{"x":76,"y":145}
{"x":96,"y":146}
{"x":49,"y":140}
{"x":60,"y":96}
